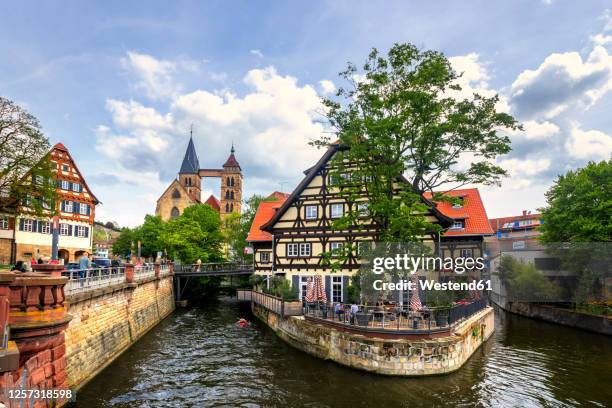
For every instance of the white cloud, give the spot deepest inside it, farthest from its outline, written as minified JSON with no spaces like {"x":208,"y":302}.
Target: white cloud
{"x":257,"y":53}
{"x":156,"y":77}
{"x":589,"y":144}
{"x":270,"y":125}
{"x":327,"y":87}
{"x":561,"y":81}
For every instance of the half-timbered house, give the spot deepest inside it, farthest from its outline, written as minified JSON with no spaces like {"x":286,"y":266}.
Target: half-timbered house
{"x":301,"y":235}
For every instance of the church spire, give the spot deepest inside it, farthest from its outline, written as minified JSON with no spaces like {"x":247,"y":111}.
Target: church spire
{"x":231,"y":160}
{"x":191,"y":164}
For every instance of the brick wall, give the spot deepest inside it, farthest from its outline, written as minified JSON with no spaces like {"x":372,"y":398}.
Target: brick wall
{"x":105,"y":324}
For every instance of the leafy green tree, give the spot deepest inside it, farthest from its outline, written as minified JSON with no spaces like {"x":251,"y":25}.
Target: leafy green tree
{"x":150,"y":236}
{"x":401,"y":115}
{"x":26,"y":177}
{"x":194,"y":235}
{"x":580,"y":206}
{"x":124,"y":242}
{"x":236,"y":227}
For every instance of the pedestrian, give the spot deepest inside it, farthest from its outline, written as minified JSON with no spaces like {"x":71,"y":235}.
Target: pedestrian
{"x":19,"y":267}
{"x":84,"y":265}
{"x":198,"y":265}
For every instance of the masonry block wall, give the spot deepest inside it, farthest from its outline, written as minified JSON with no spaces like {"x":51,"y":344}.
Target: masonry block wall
{"x":403,"y":357}
{"x":105,"y":323}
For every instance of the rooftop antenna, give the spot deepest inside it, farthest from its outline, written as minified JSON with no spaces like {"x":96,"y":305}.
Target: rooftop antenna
{"x":191,"y":130}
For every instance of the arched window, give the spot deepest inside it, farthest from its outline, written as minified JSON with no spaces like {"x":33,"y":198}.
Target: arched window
{"x":231,"y":195}
{"x":228,"y":182}
{"x":174,"y":213}
{"x":189,"y":181}
{"x":227,"y":208}
{"x":232,"y":182}
{"x":176,"y":194}
{"x":227,"y":194}
{"x":231,"y":207}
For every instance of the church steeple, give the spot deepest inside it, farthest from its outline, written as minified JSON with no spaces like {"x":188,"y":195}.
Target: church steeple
{"x":191,"y":164}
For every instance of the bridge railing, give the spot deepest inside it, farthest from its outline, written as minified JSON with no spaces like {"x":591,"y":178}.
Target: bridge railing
{"x":82,"y":280}
{"x":164,"y":270}
{"x":213,"y":267}
{"x":144,"y":271}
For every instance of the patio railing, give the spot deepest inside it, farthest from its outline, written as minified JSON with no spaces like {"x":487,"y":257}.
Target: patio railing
{"x":394,"y":318}
{"x":82,"y":280}
{"x":272,"y":303}
{"x":144,"y":271}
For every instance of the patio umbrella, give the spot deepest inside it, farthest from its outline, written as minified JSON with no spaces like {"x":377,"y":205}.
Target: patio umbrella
{"x":415,"y":300}
{"x":310,"y":294}
{"x":319,"y":291}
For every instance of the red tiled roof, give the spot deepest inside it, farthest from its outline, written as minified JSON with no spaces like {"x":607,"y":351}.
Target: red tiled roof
{"x":279,"y":195}
{"x":265,"y":212}
{"x":473,"y":213}
{"x":231,"y":161}
{"x":498,"y":223}
{"x":60,"y":146}
{"x":213,"y":202}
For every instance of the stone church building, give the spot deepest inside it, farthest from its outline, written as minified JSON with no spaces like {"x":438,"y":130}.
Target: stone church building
{"x":186,"y":190}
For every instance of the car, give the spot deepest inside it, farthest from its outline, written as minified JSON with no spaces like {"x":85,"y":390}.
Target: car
{"x":101,"y":263}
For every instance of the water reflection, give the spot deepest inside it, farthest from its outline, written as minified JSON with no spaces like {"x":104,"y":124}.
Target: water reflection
{"x":199,"y":358}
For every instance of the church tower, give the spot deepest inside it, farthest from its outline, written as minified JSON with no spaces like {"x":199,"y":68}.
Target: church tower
{"x":231,"y":186}
{"x":189,"y":176}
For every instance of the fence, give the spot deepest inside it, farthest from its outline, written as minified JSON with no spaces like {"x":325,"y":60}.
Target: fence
{"x":213,"y":267}
{"x":82,"y":280}
{"x":393,"y":318}
{"x":142,"y":272}
{"x":272,"y":303}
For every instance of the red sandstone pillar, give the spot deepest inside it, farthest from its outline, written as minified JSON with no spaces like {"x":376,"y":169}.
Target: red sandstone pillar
{"x":129,"y":272}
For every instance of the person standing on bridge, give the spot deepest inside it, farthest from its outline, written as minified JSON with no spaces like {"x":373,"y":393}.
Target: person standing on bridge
{"x":198,"y":265}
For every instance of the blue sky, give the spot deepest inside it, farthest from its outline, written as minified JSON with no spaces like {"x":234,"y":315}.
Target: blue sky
{"x":119,"y":83}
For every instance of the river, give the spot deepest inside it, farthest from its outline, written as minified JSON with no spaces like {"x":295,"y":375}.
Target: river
{"x":197,"y":357}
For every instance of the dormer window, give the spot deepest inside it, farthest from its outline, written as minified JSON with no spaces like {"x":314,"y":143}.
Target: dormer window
{"x":457,"y":224}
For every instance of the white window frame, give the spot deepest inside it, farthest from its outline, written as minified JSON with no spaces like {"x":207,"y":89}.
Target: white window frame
{"x":68,"y":206}
{"x":46,"y":204}
{"x":336,"y":247}
{"x":457,"y":225}
{"x":333,"y":213}
{"x":65,"y":185}
{"x":28,"y":225}
{"x":65,"y":168}
{"x":336,"y":281}
{"x":80,"y":231}
{"x":466,"y":252}
{"x":63,"y":230}
{"x":305,"y":249}
{"x":38,"y":180}
{"x":46,"y":227}
{"x":303,"y":286}
{"x":4,"y":222}
{"x":311,"y":212}
{"x":264,"y":257}
{"x":293,"y":250}
{"x":363,"y":210}
{"x":76,"y":187}
{"x":83,"y":208}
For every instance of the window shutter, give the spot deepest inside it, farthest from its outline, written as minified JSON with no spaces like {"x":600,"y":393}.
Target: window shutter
{"x":88,"y":209}
{"x":75,"y":207}
{"x":86,"y":232}
{"x":63,"y":206}
{"x":345,"y":285}
{"x":21,"y":224}
{"x":37,"y":226}
{"x":295,"y":285}
{"x":328,"y":288}
{"x":69,"y":230}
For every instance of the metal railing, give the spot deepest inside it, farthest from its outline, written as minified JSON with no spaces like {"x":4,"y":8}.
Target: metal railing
{"x":144,"y":271}
{"x":213,"y":267}
{"x":164,"y":270}
{"x":394,"y":318}
{"x":270,"y":302}
{"x":82,"y":280}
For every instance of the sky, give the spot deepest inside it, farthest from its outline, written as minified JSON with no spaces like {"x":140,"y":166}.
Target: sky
{"x":120,"y":83}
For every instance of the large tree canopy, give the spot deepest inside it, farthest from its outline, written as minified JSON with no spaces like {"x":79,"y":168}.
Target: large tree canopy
{"x":402,"y":115}
{"x":580,"y":206}
{"x":25,"y":171}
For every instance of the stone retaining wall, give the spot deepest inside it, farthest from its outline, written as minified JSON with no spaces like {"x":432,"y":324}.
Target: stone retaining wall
{"x":107,"y":321}
{"x":404,"y":357}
